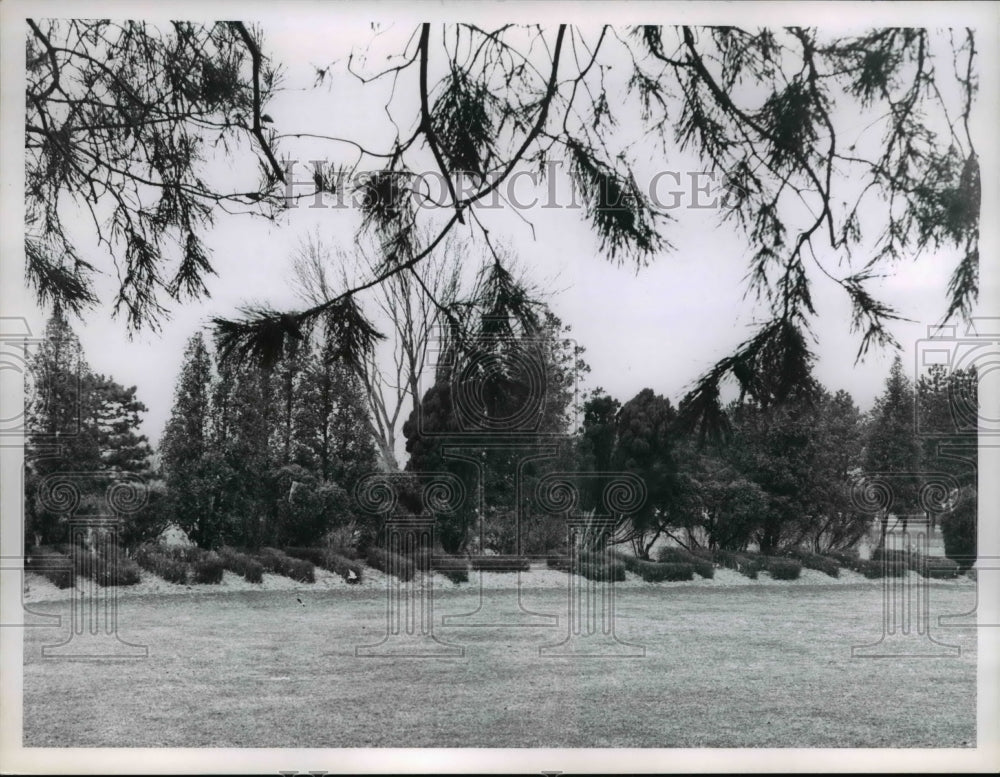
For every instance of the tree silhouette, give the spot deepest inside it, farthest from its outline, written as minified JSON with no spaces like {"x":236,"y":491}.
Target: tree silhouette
{"x":119,"y":110}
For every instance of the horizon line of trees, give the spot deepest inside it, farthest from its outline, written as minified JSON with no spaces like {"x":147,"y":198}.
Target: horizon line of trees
{"x":253,"y":457}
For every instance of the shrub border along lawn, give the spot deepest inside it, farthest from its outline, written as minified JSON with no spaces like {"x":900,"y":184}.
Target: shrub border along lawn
{"x":152,"y":558}
{"x":280,"y":563}
{"x":54,"y":566}
{"x":391,"y":563}
{"x":242,"y":564}
{"x":677,"y":555}
{"x":325,"y":558}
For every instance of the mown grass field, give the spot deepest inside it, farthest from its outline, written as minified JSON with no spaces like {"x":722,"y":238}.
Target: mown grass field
{"x":733,"y":667}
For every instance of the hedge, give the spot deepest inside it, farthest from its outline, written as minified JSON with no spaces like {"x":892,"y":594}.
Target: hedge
{"x":500,"y":563}
{"x":208,"y":569}
{"x":557,"y":560}
{"x":827,"y":566}
{"x":746,"y":564}
{"x":391,"y":563}
{"x":877,"y":569}
{"x":939,"y":567}
{"x":455,"y":568}
{"x":594,"y":567}
{"x":281,"y":563}
{"x":153,"y":559}
{"x":242,"y":564}
{"x":675,"y":555}
{"x":114,"y":569}
{"x":783,"y":568}
{"x":54,"y":566}
{"x":672,"y":571}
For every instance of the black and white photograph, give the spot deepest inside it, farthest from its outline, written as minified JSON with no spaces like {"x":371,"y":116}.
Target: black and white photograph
{"x":472,"y":387}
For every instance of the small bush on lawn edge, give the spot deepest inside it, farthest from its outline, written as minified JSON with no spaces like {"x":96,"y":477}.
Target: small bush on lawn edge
{"x":52,"y":565}
{"x":282,"y":564}
{"x":208,"y":569}
{"x":747,"y":564}
{"x":500,"y":563}
{"x":824,"y":564}
{"x":783,"y":568}
{"x":675,"y":555}
{"x":150,"y":557}
{"x":391,"y":563}
{"x":242,"y":564}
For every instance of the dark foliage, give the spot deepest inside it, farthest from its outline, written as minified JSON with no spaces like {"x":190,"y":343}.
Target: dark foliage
{"x":54,"y":566}
{"x":391,"y":563}
{"x":242,"y":564}
{"x":150,"y":557}
{"x":281,"y":563}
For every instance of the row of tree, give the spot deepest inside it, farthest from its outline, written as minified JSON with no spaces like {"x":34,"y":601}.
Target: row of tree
{"x":271,"y":457}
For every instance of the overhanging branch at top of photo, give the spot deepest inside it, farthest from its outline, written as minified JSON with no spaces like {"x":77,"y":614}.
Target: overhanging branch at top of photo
{"x":810,"y":129}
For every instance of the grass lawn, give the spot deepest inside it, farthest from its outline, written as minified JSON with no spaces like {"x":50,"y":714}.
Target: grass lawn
{"x":735,"y":667}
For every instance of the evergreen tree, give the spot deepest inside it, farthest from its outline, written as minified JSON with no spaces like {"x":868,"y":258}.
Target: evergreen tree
{"x":189,"y":465}
{"x":892,"y":446}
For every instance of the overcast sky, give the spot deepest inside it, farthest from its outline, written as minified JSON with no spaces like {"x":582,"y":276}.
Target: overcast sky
{"x":657,"y":327}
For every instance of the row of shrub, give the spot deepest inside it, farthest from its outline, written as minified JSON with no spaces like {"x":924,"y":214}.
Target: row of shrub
{"x":150,"y":557}
{"x":703,"y":566}
{"x":592,"y":566}
{"x":332,"y":561}
{"x":54,"y":566}
{"x":107,"y":567}
{"x":820,"y":563}
{"x":752,"y":564}
{"x":391,"y":563}
{"x":280,"y":563}
{"x":242,"y":564}
{"x":937,"y":567}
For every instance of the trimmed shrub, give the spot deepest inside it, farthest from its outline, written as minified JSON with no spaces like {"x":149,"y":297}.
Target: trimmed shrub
{"x":877,"y":569}
{"x":500,"y":563}
{"x":282,"y":564}
{"x":112,"y":569}
{"x":52,"y":565}
{"x":671,"y":571}
{"x":747,"y":564}
{"x":352,"y":571}
{"x":703,"y":566}
{"x":938,"y":567}
{"x":827,"y":566}
{"x":455,"y":568}
{"x":313,"y":555}
{"x":846,"y":558}
{"x":593,"y":567}
{"x":208,"y":569}
{"x":958,"y":530}
{"x":783,"y":568}
{"x":153,"y":559}
{"x":242,"y":564}
{"x":391,"y":563}
{"x":557,"y":560}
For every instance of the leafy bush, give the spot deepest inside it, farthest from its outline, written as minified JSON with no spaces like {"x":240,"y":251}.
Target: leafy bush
{"x":783,"y":568}
{"x":455,"y":568}
{"x":824,"y":564}
{"x":672,"y":571}
{"x":152,"y":558}
{"x":208,"y":568}
{"x":557,"y":560}
{"x":958,"y":529}
{"x":500,"y":563}
{"x":703,"y":566}
{"x":391,"y":563}
{"x":352,"y":571}
{"x":877,"y":569}
{"x":938,"y":567}
{"x":313,"y":555}
{"x":112,"y":568}
{"x":593,"y":567}
{"x":747,"y":564}
{"x":242,"y":564}
{"x":845,"y":558}
{"x":54,"y":566}
{"x":282,"y":564}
